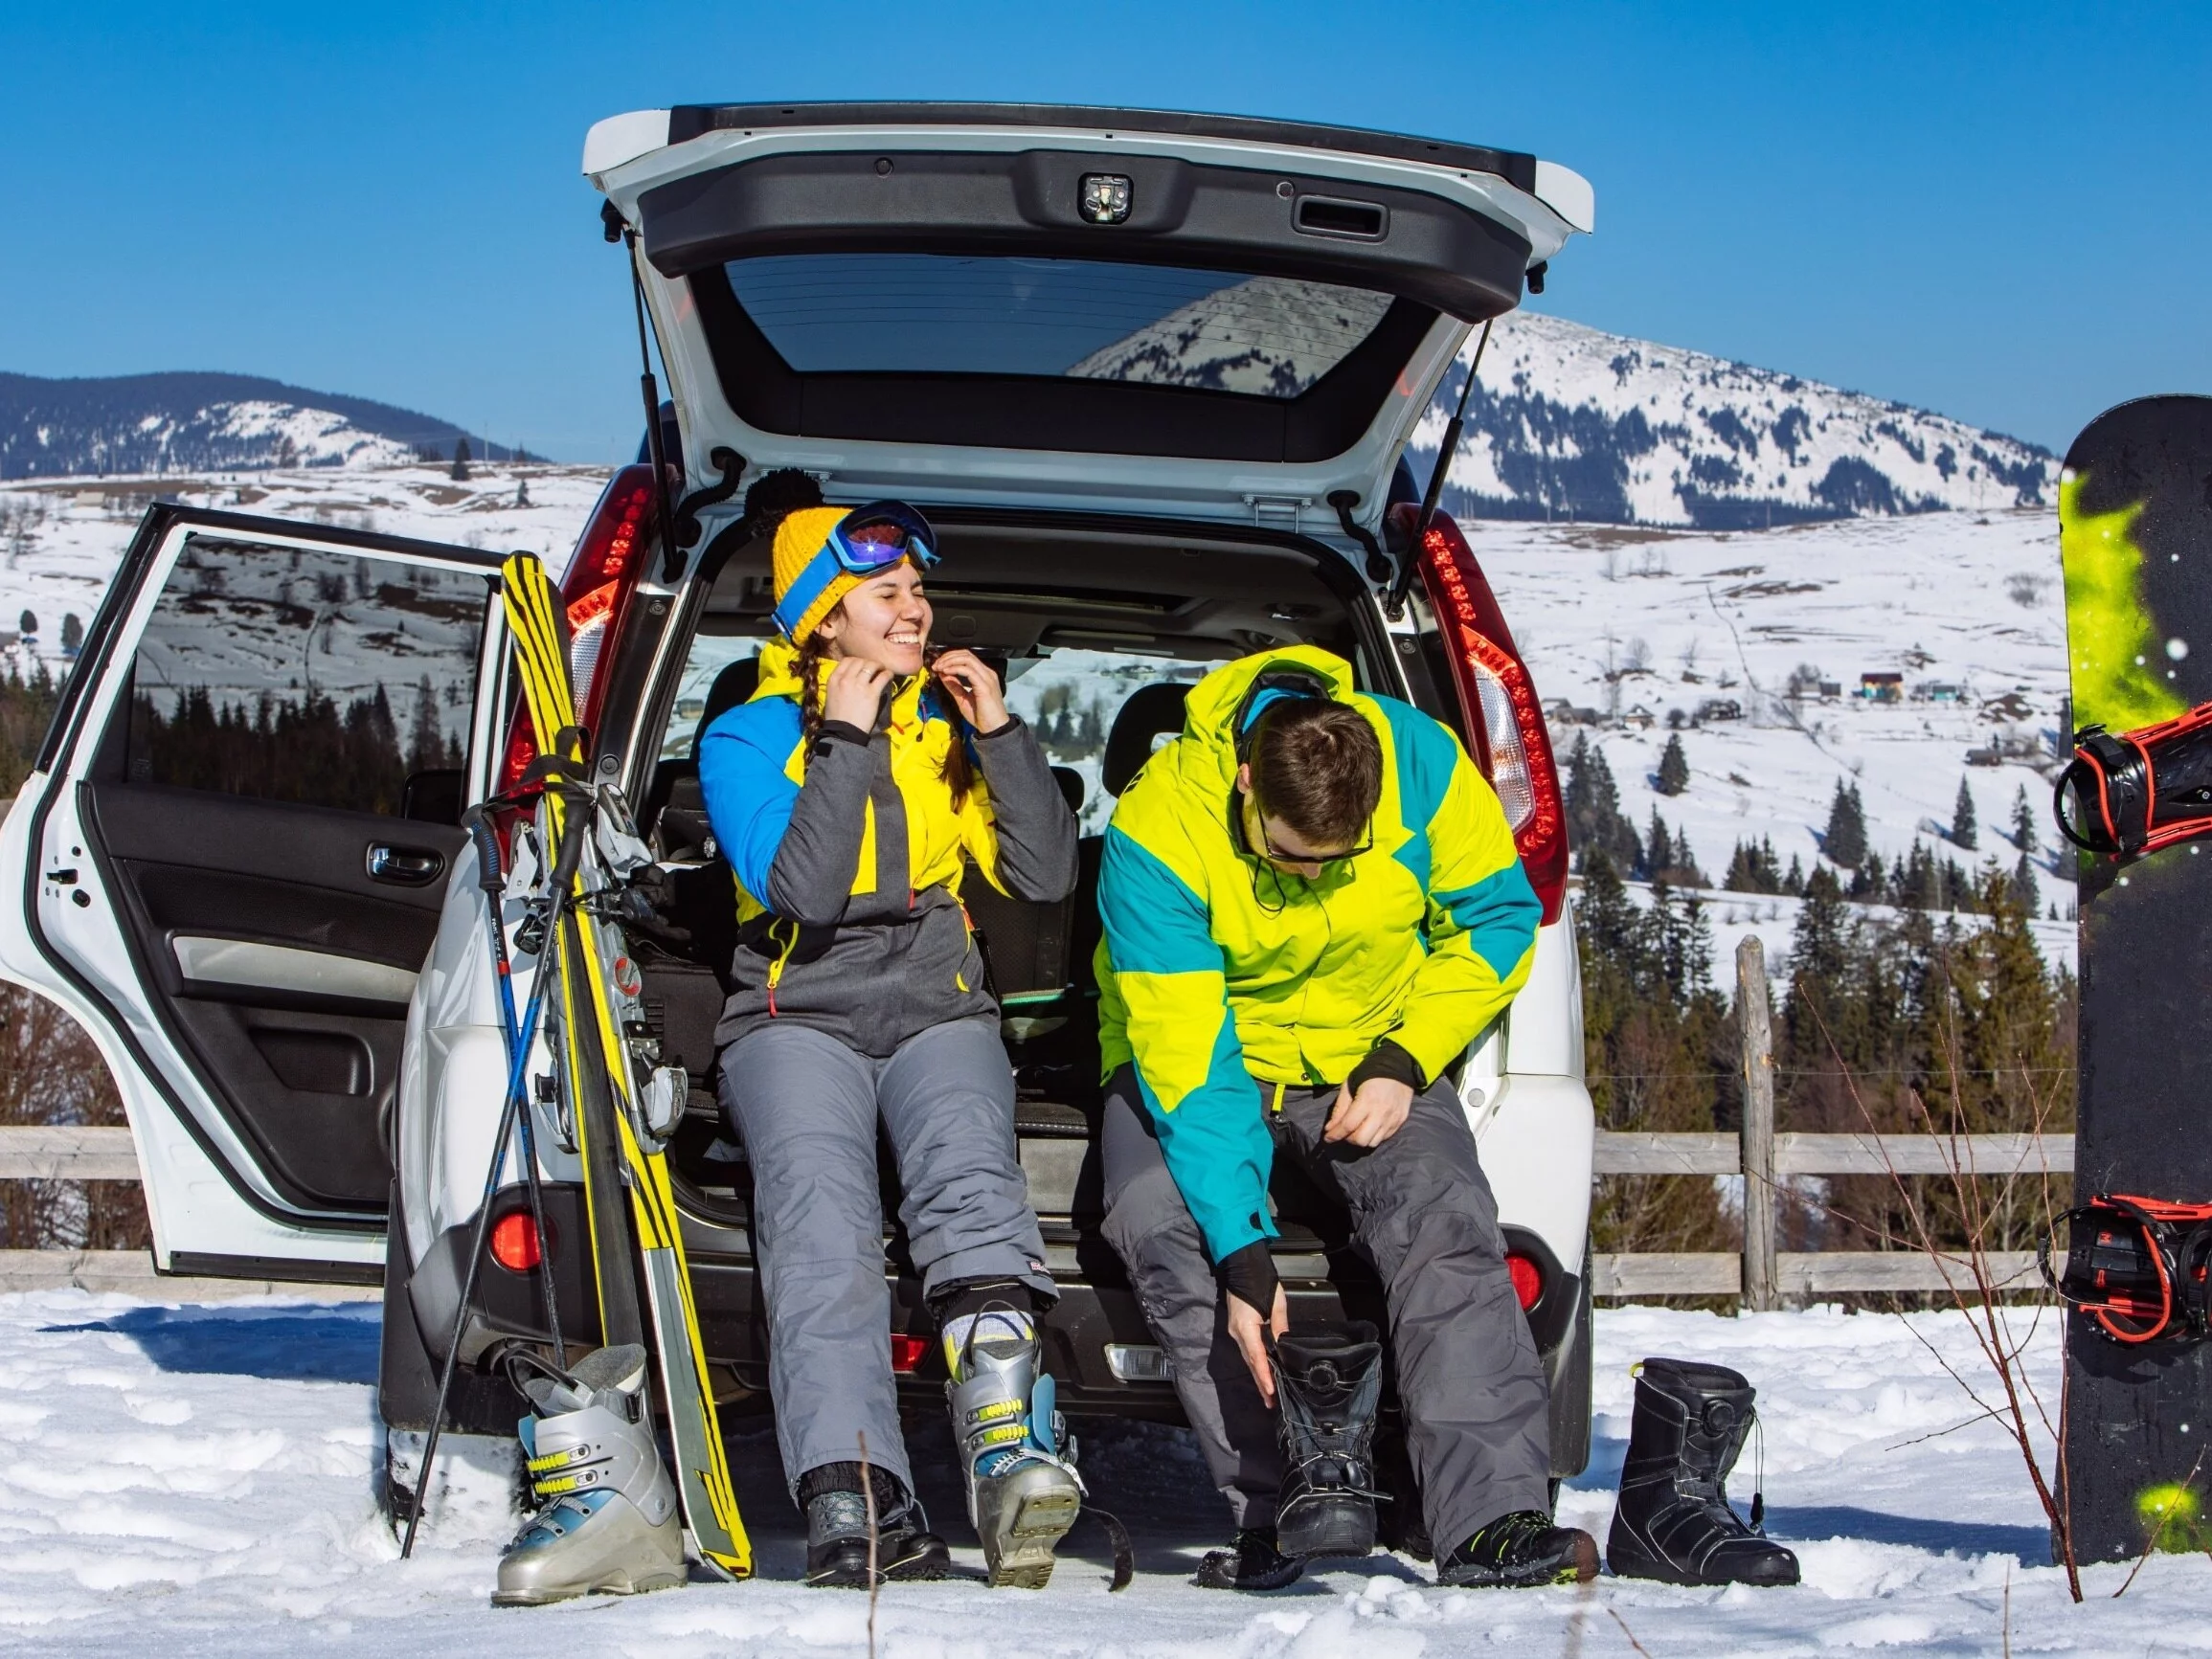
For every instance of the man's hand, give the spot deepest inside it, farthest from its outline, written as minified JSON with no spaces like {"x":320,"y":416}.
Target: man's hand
{"x":1249,"y":1333}
{"x":1371,"y":1117}
{"x":974,"y":688}
{"x":856,"y":692}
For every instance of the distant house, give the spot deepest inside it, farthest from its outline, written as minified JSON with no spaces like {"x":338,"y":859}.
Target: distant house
{"x":1831,"y":690}
{"x":1938,"y":691}
{"x":1720,"y":708}
{"x":1639,"y":718}
{"x":1882,"y":688}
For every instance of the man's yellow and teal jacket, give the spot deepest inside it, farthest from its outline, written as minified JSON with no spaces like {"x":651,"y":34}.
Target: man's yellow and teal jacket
{"x":1219,"y":975}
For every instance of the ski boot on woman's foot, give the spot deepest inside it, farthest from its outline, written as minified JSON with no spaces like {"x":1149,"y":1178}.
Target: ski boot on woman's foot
{"x":836,"y":1506}
{"x":1519,"y":1551}
{"x":608,"y":1521}
{"x":1022,"y":1491}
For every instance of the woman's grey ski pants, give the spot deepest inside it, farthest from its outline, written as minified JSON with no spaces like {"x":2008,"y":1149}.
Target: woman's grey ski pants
{"x":1469,"y":1378}
{"x":806,"y":1108}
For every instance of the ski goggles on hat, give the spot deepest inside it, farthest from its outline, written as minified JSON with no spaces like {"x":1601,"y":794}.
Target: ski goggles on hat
{"x":843,"y":554}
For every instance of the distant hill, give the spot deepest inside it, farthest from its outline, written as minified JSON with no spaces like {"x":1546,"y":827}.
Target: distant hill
{"x":1569,"y":423}
{"x":156,"y":423}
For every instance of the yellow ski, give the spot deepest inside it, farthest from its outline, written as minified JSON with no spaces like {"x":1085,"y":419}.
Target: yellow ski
{"x":594,"y":1050}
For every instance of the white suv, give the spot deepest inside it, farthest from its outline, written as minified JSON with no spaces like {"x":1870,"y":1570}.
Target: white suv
{"x":1150,"y":374}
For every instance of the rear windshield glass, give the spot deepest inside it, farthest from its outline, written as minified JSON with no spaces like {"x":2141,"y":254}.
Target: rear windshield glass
{"x":1161,"y":326}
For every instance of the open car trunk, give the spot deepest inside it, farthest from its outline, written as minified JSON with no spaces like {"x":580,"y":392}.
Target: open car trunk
{"x":1101,"y":628}
{"x":1120,"y":310}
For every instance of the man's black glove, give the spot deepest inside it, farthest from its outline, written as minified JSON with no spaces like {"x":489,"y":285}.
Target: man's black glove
{"x":1387,"y":1059}
{"x":1249,"y":1275}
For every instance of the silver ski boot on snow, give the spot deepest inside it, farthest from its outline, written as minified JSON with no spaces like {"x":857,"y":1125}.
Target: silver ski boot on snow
{"x":1022,"y":1491}
{"x":608,"y":1521}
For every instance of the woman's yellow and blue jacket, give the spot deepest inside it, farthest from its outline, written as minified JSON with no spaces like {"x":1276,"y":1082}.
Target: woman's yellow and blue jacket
{"x":1219,"y":975}
{"x":848,"y":852}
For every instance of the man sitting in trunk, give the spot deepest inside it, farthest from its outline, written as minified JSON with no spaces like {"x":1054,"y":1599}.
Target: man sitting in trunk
{"x":1311,"y":906}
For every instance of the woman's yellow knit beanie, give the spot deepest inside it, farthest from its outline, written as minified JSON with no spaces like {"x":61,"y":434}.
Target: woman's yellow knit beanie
{"x":800,"y":536}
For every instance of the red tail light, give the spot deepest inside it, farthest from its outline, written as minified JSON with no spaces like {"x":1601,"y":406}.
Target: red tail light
{"x":1528,"y":1280}
{"x":514,"y":1243}
{"x":1512,"y":744}
{"x":907,"y":1353}
{"x":596,"y":593}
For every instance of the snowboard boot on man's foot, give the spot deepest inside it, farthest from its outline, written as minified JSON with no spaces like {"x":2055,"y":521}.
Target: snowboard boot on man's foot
{"x":609,"y":1520}
{"x":1327,"y":1384}
{"x":1253,"y":1561}
{"x":1022,"y":1491}
{"x":1519,"y":1551}
{"x":1675,"y":1523}
{"x":837,"y":1551}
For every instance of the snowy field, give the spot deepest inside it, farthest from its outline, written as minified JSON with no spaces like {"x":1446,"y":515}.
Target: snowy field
{"x":200,"y":1478}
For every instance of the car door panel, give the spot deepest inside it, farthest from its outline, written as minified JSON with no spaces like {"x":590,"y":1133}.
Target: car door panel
{"x":220,"y":879}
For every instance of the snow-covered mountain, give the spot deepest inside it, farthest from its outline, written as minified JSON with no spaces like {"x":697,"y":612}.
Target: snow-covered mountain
{"x":171,"y":423}
{"x":1568,"y":423}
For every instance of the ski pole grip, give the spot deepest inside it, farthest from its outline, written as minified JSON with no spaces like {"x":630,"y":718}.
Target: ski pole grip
{"x":488,"y":874}
{"x":575,"y":825}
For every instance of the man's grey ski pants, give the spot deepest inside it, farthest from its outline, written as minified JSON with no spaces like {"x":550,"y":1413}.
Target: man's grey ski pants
{"x":1469,"y":1378}
{"x":805,"y":1107}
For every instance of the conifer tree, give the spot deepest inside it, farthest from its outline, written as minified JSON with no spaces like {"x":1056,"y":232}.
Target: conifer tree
{"x":1594,"y":822}
{"x":460,"y":460}
{"x":1674,"y":766}
{"x":1658,"y":848}
{"x":1964,"y":831}
{"x":1845,"y":842}
{"x":2023,"y":822}
{"x":1794,"y":884}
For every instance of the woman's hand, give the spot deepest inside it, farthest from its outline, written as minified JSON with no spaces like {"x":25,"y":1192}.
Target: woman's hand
{"x":1249,"y":1333}
{"x":856,"y":692}
{"x":974,"y":688}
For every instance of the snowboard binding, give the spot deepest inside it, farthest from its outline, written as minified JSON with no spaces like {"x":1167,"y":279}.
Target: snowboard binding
{"x":2136,"y":791}
{"x":2135,"y":1267}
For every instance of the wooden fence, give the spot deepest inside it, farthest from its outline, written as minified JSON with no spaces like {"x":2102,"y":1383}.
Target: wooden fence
{"x":1762,"y":1277}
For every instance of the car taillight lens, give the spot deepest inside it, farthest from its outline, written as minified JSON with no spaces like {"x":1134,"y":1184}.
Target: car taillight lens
{"x":1528,"y":1280}
{"x":907,"y":1353}
{"x":595,"y":593}
{"x":514,"y":1243}
{"x":1512,"y":744}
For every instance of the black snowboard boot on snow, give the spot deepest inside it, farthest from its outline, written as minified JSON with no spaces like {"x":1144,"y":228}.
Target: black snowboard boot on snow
{"x":1519,"y":1551}
{"x":837,"y":1530}
{"x":1253,"y":1561}
{"x":1674,"y":1522}
{"x":1327,"y":1385}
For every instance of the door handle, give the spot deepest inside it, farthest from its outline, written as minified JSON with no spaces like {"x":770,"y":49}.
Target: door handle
{"x":405,"y":866}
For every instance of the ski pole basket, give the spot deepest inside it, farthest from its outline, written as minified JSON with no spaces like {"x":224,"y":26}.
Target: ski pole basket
{"x":2136,"y":791}
{"x":2135,"y":1267}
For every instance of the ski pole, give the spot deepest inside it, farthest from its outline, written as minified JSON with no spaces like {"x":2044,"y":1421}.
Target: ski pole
{"x":506,"y":1120}
{"x":493,"y":878}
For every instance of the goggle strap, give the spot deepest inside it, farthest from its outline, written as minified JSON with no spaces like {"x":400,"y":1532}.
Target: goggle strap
{"x":813,"y":582}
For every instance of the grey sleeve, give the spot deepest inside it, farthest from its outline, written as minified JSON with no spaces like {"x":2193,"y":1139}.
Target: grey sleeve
{"x":811,"y":878}
{"x":1035,"y":829}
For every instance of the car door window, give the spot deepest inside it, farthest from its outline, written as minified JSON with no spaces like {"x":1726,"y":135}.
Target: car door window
{"x":314,"y":676}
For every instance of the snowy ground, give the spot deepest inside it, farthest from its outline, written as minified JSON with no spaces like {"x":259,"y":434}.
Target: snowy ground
{"x":200,"y":1478}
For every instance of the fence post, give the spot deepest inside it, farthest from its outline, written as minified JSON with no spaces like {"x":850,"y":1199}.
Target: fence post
{"x":1758,"y":1034}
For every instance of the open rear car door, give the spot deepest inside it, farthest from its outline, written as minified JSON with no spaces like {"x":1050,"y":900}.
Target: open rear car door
{"x":231,"y":855}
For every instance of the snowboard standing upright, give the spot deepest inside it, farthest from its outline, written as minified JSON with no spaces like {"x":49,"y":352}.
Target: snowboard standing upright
{"x":2136,"y":524}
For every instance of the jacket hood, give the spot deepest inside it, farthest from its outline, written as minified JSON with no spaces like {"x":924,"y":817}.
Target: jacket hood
{"x":1209,"y":715}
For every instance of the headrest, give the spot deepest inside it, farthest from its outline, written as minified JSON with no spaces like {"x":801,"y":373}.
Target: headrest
{"x":733,"y":685}
{"x":1070,"y":783}
{"x":1150,"y":711}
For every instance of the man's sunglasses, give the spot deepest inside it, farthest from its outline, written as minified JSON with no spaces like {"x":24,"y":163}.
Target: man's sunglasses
{"x":1277,"y":856}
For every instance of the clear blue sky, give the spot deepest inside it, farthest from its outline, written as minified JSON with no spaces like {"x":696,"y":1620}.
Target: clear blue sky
{"x":2000,"y":212}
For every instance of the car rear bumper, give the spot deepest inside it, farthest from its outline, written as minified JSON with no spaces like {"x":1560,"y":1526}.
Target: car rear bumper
{"x":1097,"y":1347}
